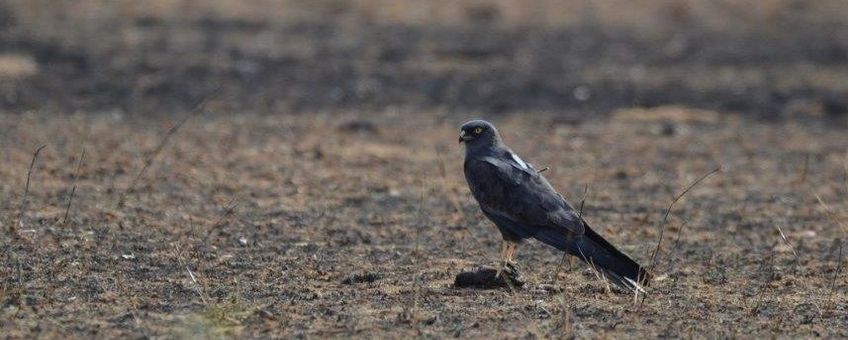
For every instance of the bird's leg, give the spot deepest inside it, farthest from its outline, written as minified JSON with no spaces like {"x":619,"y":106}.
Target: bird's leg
{"x":511,"y":249}
{"x":504,"y":248}
{"x":507,"y":254}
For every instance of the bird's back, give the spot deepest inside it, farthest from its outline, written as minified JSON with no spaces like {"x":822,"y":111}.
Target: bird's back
{"x":519,"y":196}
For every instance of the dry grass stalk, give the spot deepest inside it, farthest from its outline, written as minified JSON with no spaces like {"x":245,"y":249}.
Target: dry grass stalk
{"x":598,"y":274}
{"x":662,"y":224}
{"x":765,"y":265}
{"x":149,"y":160}
{"x":564,"y":326}
{"x":802,"y":177}
{"x":162,"y":143}
{"x":845,"y":176}
{"x":835,"y":276}
{"x":785,"y":240}
{"x":830,"y":213}
{"x":26,"y":187}
{"x":676,"y":240}
{"x":444,"y":175}
{"x":579,"y":218}
{"x":198,"y":288}
{"x":73,"y":187}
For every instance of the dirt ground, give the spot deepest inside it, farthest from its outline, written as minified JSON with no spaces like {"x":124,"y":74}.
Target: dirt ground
{"x":319,"y":192}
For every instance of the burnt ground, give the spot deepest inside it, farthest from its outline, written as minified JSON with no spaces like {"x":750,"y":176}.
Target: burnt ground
{"x":337,"y":58}
{"x":319,"y":193}
{"x":302,"y":226}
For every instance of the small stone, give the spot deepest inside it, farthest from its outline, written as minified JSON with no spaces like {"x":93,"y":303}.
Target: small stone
{"x":483,"y":277}
{"x":364,"y":277}
{"x":805,"y":313}
{"x":547,"y":288}
{"x":667,"y":129}
{"x":359,"y":126}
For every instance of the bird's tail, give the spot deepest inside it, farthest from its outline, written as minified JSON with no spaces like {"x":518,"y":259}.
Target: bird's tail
{"x":612,"y":263}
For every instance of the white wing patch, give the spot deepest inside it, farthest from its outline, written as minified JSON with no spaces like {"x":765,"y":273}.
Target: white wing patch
{"x":518,"y":160}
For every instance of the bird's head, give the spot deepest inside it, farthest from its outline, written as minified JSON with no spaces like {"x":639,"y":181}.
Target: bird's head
{"x":478,"y":132}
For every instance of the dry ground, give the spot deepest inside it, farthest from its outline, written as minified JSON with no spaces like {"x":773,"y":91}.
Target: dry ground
{"x":319,"y":193}
{"x":339,"y":225}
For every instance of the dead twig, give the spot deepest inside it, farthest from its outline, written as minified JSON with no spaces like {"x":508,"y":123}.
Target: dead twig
{"x":845,"y":172}
{"x":416,"y":279}
{"x":835,"y":276}
{"x":417,"y":249}
{"x":26,"y":187}
{"x":444,"y":174}
{"x":802,"y":177}
{"x":149,"y":160}
{"x":830,"y":213}
{"x":162,"y":143}
{"x":785,"y":240}
{"x":769,"y":276}
{"x":229,"y":211}
{"x":598,"y":273}
{"x":797,"y":264}
{"x":73,"y":187}
{"x":564,"y":326}
{"x":197,"y":287}
{"x":677,"y":239}
{"x":579,"y":218}
{"x":662,"y":224}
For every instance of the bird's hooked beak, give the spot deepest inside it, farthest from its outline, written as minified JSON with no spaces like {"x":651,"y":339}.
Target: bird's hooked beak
{"x":463,"y":136}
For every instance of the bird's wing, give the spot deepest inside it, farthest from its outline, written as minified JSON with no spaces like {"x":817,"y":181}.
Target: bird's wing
{"x":519,"y":198}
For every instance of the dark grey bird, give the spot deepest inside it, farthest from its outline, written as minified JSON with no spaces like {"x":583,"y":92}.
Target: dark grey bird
{"x":522,"y":204}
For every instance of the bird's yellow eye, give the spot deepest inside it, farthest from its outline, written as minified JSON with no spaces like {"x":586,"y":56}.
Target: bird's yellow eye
{"x":478,"y":130}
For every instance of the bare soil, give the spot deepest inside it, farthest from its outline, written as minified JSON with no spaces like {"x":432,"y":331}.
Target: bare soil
{"x":283,"y":225}
{"x":319,"y":192}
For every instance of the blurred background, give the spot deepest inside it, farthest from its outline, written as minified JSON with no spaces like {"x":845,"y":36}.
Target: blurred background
{"x":575,"y":58}
{"x":320,"y":191}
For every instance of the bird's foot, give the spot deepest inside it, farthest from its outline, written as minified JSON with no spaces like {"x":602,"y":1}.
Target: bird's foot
{"x":507,"y":270}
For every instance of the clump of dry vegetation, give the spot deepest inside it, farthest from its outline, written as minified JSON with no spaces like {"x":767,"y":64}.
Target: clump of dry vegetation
{"x":319,"y":192}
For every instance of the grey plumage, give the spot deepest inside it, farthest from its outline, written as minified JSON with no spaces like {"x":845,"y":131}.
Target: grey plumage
{"x":522,"y":204}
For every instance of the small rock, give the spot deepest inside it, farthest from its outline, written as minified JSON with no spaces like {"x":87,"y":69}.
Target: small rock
{"x":359,"y":126}
{"x":660,"y":278}
{"x":715,"y":277}
{"x":547,"y":288}
{"x":805,"y":313}
{"x":15,"y":66}
{"x":365,"y":277}
{"x":483,"y":277}
{"x":835,"y":106}
{"x":582,"y":93}
{"x":667,"y":129}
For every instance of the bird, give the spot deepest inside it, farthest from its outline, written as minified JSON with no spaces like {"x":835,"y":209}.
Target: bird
{"x":518,"y":199}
